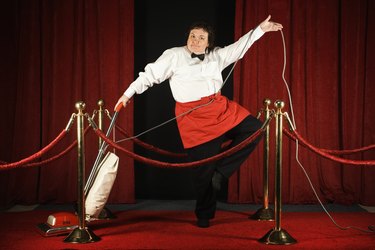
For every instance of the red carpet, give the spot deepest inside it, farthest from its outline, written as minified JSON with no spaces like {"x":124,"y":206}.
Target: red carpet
{"x":176,"y":229}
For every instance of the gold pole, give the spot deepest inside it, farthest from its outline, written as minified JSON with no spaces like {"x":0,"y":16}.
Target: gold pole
{"x":265,"y":213}
{"x":81,"y":234}
{"x":100,"y":118}
{"x":277,"y":235}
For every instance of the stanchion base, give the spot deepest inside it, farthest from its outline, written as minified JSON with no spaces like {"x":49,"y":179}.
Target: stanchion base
{"x":277,"y":237}
{"x":264,"y":214}
{"x":81,"y":235}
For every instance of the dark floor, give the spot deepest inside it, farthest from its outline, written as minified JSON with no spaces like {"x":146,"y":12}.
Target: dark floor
{"x":157,"y":205}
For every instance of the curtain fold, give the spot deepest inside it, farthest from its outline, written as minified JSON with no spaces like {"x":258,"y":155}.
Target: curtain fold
{"x":329,"y":62}
{"x":67,"y":51}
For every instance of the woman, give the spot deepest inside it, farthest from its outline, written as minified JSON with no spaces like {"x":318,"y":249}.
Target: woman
{"x":205,"y":118}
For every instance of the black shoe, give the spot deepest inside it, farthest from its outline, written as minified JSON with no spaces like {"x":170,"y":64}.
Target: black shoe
{"x":217,"y":179}
{"x":203,"y":223}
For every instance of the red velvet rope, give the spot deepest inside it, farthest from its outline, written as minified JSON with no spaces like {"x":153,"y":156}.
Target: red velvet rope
{"x":53,"y":158}
{"x":145,"y":160}
{"x":325,"y":154}
{"x":151,"y":147}
{"x":336,"y":152}
{"x":35,"y":156}
{"x":24,"y":162}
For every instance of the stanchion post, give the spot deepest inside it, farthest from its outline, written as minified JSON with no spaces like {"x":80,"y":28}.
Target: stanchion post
{"x":100,"y":118}
{"x":277,"y":235}
{"x":81,"y":234}
{"x":265,"y":213}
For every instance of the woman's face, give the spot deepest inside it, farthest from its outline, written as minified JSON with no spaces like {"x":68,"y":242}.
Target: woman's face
{"x":197,"y":41}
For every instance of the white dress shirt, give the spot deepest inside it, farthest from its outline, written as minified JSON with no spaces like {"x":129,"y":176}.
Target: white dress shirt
{"x":191,"y":79}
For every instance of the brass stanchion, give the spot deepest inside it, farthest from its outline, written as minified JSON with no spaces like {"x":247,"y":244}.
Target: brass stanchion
{"x":100,"y":118}
{"x":277,"y":235}
{"x":265,"y":213}
{"x":81,"y":234}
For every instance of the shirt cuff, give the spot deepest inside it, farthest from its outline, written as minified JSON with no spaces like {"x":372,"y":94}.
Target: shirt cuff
{"x":129,"y":92}
{"x":258,"y":32}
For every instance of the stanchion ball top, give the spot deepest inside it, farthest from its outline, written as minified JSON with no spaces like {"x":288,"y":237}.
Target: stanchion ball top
{"x":279,"y":104}
{"x":267,"y":102}
{"x":101,"y":103}
{"x":80,"y":105}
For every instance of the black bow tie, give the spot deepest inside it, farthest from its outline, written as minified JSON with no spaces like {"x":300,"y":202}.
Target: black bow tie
{"x":200,"y":56}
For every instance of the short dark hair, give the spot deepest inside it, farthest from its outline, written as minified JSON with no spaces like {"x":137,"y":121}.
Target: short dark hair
{"x":206,"y":27}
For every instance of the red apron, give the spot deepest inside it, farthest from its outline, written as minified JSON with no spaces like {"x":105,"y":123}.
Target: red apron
{"x":208,"y":122}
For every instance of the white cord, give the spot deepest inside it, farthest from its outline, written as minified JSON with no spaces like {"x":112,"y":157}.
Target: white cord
{"x":293,"y":124}
{"x":286,"y":83}
{"x":297,"y":151}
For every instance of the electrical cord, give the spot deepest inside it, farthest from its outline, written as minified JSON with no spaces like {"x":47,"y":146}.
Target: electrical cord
{"x":371,"y":227}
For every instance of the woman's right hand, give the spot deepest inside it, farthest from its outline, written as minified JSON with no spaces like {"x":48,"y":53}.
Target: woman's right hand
{"x":268,"y":25}
{"x":123,"y":100}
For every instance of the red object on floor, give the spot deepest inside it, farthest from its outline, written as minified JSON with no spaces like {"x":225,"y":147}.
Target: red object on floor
{"x":177,"y":229}
{"x":62,"y":219}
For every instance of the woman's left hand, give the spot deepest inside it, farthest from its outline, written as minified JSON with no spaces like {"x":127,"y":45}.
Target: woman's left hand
{"x":267,"y":25}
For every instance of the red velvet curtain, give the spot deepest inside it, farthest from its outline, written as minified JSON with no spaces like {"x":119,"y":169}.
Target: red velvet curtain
{"x":330,"y":72}
{"x":58,"y":53}
{"x":55,"y":53}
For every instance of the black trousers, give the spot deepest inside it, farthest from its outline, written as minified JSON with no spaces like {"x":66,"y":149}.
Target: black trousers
{"x":205,"y":207}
